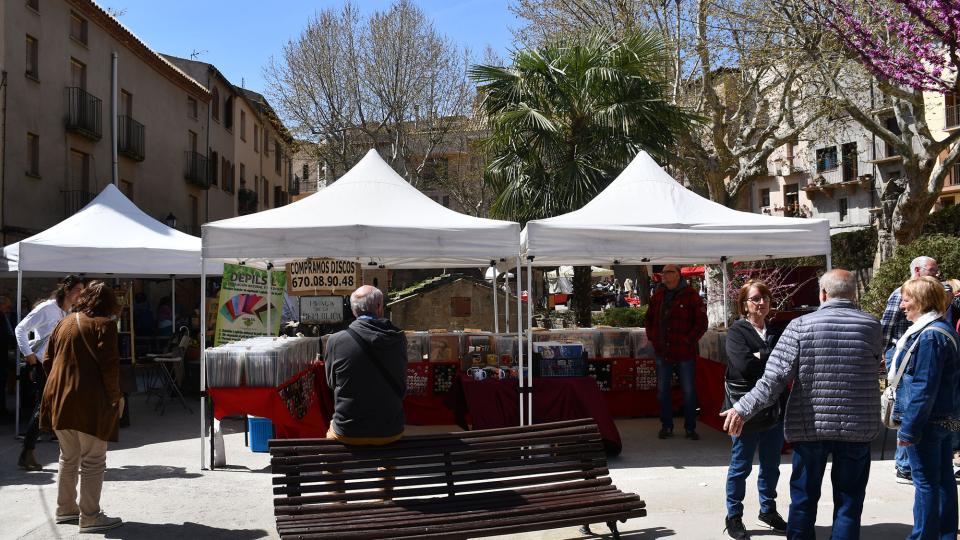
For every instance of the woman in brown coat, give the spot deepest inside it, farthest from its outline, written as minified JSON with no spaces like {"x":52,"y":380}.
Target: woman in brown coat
{"x":82,"y":403}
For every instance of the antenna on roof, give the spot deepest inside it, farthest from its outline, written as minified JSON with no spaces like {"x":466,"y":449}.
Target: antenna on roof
{"x":197,"y":53}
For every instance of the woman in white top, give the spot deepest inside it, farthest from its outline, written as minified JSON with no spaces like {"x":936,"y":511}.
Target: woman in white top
{"x":41,"y":321}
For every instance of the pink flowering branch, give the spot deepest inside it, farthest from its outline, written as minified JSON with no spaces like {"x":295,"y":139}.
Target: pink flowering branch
{"x":914,"y":45}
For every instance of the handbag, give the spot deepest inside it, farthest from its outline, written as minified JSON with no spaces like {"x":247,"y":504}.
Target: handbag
{"x":888,"y":399}
{"x":763,"y":420}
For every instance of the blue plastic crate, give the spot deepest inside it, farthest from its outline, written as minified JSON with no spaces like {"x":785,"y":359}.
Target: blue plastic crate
{"x":261,"y":431}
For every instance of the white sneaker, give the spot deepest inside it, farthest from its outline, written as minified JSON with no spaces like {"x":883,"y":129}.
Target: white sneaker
{"x":98,"y":523}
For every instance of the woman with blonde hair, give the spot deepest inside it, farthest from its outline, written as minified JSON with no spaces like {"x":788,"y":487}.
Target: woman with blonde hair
{"x":82,"y":403}
{"x":926,"y":362}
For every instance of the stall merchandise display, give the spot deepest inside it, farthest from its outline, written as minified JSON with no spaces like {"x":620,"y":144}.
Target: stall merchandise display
{"x":713,"y":345}
{"x":615,"y":343}
{"x":444,"y":346}
{"x":479,"y":350}
{"x":418,"y":346}
{"x":260,"y":361}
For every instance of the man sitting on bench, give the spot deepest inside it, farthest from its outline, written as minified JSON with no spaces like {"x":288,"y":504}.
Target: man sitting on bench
{"x":366,"y":366}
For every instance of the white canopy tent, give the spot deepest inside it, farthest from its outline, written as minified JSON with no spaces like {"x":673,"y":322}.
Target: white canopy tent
{"x":646,"y":217}
{"x":110,"y":236}
{"x":370,"y":215}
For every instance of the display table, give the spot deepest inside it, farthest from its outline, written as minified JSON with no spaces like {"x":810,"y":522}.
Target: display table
{"x":299,"y":408}
{"x":493,"y":403}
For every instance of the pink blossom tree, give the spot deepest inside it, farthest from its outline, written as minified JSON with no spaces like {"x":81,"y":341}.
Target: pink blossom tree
{"x":910,"y":43}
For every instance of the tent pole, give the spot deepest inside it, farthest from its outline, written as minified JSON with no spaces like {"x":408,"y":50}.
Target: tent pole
{"x":723,"y":269}
{"x":520,"y":346}
{"x":173,"y":304}
{"x":829,"y":262}
{"x":269,"y":297}
{"x":16,"y":410}
{"x":506,"y":301}
{"x":496,"y":309}
{"x":203,"y":359}
{"x":529,"y":340}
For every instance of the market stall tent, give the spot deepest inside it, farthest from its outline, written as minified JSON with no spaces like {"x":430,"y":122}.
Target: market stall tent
{"x":647,"y":217}
{"x":110,"y":235}
{"x":370,"y":213}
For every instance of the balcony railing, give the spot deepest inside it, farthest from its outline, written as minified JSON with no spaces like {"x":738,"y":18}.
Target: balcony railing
{"x":130,"y":140}
{"x":83,"y":113}
{"x":951,"y":116}
{"x":195,"y":169}
{"x":74,"y":200}
{"x":294,"y":187}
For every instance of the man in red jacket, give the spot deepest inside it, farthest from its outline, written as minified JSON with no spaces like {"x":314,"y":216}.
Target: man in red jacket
{"x":676,"y":319}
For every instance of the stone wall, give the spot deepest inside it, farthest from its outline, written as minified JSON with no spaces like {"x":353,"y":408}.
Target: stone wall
{"x":447,"y":307}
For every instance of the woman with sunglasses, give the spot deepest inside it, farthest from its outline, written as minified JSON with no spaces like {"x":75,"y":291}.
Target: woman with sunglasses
{"x":749,"y":342}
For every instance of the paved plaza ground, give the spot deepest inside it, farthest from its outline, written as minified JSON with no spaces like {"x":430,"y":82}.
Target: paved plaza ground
{"x":154,"y":483}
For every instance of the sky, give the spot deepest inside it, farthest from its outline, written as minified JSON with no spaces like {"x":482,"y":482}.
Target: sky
{"x":240,"y":36}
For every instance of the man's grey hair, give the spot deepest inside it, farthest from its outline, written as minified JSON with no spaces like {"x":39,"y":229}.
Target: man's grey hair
{"x":920,"y":262}
{"x":366,"y":301}
{"x":839,"y":283}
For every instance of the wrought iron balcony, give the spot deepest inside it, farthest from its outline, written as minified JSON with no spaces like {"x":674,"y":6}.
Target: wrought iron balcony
{"x":84,"y":113}
{"x":74,"y":200}
{"x":130,"y":140}
{"x":196,"y":169}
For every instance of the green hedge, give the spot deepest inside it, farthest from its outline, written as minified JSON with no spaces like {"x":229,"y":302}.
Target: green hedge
{"x":624,"y":317}
{"x":854,"y":250}
{"x":946,"y":221}
{"x":893,"y":272}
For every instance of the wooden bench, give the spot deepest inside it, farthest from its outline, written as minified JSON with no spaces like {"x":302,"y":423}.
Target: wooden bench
{"x":449,"y":485}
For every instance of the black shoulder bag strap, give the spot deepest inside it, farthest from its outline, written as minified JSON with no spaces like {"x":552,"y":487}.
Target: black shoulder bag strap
{"x":394,"y":385}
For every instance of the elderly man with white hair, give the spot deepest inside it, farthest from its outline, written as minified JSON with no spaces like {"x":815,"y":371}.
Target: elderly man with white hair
{"x":831,"y":357}
{"x":366,"y":366}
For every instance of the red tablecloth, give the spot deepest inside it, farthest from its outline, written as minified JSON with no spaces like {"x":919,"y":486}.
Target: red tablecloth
{"x":709,"y":383}
{"x":270,"y":403}
{"x":493,"y":403}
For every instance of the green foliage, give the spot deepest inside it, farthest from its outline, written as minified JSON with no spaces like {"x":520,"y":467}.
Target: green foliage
{"x":945,"y":221}
{"x":854,"y":250}
{"x":893,"y":272}
{"x":623,"y":317}
{"x":567,"y":117}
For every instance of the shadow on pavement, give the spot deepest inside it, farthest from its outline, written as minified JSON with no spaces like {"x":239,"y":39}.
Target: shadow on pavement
{"x":601,"y":531}
{"x":146,"y":473}
{"x":14,"y":476}
{"x":877,"y":531}
{"x":165,"y":531}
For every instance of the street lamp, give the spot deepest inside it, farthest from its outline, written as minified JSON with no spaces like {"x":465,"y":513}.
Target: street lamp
{"x":171,"y":220}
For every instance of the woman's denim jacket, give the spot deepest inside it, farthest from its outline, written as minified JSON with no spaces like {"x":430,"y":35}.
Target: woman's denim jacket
{"x":928,"y":390}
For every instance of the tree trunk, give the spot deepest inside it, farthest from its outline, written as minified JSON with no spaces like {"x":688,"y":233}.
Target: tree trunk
{"x":581,"y":295}
{"x":643,"y":286}
{"x":713,"y":275}
{"x":904,"y":207}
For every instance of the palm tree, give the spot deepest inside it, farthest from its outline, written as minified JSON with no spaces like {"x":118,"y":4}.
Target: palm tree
{"x":566,"y":118}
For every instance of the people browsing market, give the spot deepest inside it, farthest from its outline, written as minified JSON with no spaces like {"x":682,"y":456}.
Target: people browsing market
{"x":676,"y":320}
{"x":82,"y":403}
{"x":926,"y":364}
{"x":40,"y":323}
{"x":838,"y":343}
{"x":749,"y":342}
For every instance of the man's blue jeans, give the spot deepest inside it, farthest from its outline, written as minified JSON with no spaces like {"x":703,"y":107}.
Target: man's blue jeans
{"x":935,"y":499}
{"x":768,"y":443}
{"x":686,"y":371}
{"x":849,"y":475}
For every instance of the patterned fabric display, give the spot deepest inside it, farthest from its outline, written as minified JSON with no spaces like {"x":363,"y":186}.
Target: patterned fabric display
{"x":298,"y":396}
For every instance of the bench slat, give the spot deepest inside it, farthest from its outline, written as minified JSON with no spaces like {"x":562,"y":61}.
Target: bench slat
{"x":447,"y":511}
{"x":294,"y":512}
{"x":583,"y":461}
{"x":460,"y":480}
{"x":589,"y":449}
{"x":338,"y":452}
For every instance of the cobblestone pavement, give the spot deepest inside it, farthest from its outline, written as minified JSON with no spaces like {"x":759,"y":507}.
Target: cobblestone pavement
{"x":154,"y":483}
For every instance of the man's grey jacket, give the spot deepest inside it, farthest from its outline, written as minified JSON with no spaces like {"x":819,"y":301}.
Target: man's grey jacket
{"x":833,"y":357}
